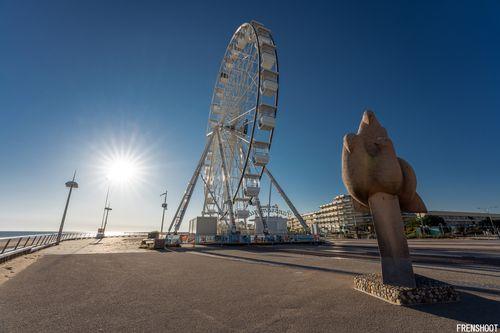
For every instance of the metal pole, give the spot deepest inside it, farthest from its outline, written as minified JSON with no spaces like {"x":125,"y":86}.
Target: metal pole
{"x":19,"y":241}
{"x":164,"y":205}
{"x":287,"y":200}
{"x":105,"y":205}
{"x":106,"y":220}
{"x":6,"y":244}
{"x":61,"y":226}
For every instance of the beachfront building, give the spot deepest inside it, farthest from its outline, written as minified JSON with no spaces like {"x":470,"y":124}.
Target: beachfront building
{"x":294,"y":224}
{"x":334,"y":217}
{"x":339,"y":216}
{"x":459,"y":219}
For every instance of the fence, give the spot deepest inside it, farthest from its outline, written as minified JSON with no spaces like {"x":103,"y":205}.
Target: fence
{"x":19,"y":245}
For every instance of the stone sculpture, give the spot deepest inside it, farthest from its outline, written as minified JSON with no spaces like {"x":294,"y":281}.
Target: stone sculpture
{"x":384,"y":184}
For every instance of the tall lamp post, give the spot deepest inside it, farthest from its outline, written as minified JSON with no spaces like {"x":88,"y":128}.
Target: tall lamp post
{"x":100,"y":231}
{"x":487,"y":211}
{"x":107,"y":209}
{"x":164,"y":206}
{"x":71,"y":185}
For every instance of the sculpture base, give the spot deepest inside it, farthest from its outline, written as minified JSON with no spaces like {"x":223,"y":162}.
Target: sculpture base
{"x":428,"y":291}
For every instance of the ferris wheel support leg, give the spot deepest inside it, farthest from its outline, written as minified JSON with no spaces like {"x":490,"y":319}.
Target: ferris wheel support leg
{"x":181,"y":210}
{"x":229,"y":199}
{"x":259,"y":209}
{"x":287,"y":200}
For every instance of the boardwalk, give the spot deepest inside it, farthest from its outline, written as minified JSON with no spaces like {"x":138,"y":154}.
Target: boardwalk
{"x":81,"y":286}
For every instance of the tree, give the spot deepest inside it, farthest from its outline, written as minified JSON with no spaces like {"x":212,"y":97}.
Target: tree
{"x":432,"y":220}
{"x":411,"y":226}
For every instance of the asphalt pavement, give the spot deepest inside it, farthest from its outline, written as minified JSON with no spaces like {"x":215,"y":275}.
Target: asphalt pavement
{"x":214,"y":289}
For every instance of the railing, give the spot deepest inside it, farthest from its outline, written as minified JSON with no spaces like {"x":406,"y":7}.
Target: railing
{"x":18,"y":245}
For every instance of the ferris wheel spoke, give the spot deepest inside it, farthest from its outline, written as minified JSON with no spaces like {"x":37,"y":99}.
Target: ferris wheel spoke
{"x":234,"y":158}
{"x":241,"y":115}
{"x":228,"y":201}
{"x":246,"y":69}
{"x":254,"y":82}
{"x":241,"y":138}
{"x":241,"y":96}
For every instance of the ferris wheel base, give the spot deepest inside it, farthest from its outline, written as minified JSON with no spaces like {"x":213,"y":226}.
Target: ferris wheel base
{"x":240,"y":240}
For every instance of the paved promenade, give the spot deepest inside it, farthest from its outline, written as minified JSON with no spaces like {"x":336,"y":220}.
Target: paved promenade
{"x":82,"y":286}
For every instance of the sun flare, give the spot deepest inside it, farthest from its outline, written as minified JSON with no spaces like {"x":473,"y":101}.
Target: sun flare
{"x":122,"y":169}
{"x":124,"y":163}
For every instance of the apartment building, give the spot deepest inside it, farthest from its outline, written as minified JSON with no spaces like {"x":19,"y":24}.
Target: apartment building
{"x":339,"y":216}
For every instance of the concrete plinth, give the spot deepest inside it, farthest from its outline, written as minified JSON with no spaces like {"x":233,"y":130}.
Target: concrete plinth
{"x":427,"y":290}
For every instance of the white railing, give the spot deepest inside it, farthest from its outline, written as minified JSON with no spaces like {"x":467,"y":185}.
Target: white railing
{"x":18,"y":245}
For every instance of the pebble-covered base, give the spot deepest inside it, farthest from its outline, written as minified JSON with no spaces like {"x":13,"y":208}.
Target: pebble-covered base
{"x":428,"y":290}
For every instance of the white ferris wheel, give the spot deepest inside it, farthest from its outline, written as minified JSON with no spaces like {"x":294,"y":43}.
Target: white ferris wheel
{"x":240,"y":128}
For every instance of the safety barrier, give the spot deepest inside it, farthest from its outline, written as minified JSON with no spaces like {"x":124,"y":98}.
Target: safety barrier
{"x":11,"y":247}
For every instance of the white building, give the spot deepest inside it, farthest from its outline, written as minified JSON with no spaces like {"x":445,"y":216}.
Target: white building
{"x":339,"y":216}
{"x":309,"y":218}
{"x":203,"y":225}
{"x":276,"y":225}
{"x":462,"y":218}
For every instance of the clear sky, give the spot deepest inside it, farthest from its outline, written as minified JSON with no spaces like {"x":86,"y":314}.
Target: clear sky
{"x":81,"y":80}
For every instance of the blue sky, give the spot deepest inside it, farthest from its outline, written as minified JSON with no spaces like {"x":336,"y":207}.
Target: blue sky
{"x":80,"y":78}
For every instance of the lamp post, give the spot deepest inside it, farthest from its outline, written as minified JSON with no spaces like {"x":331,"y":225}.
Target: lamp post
{"x":107,"y":209}
{"x":164,"y":206}
{"x":71,"y":185}
{"x":487,"y":211}
{"x":100,"y":231}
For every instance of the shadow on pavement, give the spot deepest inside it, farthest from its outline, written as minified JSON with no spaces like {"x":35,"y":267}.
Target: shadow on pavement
{"x":479,"y":290}
{"x":477,"y":264}
{"x":471,"y":309}
{"x":209,"y":252}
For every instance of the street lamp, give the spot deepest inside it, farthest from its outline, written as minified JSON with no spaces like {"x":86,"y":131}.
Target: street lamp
{"x":164,"y":206}
{"x":107,"y":209}
{"x":487,"y":211}
{"x":104,"y":221}
{"x":71,"y":185}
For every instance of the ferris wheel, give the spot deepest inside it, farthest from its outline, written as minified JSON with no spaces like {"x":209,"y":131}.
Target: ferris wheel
{"x":239,"y":133}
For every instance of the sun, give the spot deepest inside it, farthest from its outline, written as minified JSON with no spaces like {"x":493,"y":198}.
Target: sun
{"x":122,"y":169}
{"x":123,"y":163}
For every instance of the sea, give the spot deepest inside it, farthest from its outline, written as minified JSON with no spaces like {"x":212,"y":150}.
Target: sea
{"x":26,"y":233}
{"x":23,"y":233}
